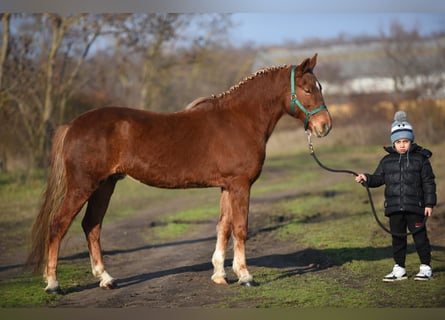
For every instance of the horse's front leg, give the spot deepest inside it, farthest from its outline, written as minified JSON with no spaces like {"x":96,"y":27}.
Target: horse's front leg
{"x":224,"y":229}
{"x":239,"y":200}
{"x":92,"y":223}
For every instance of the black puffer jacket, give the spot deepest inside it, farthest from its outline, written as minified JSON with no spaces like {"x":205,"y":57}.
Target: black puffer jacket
{"x":409,"y":180}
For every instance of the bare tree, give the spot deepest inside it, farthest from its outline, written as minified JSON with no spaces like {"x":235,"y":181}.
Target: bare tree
{"x":3,"y":51}
{"x":151,"y":55}
{"x":5,"y":39}
{"x":148,"y":39}
{"x":43,"y":68}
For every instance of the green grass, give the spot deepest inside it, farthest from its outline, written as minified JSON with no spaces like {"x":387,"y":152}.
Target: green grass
{"x":346,"y":288}
{"x":326,"y":216}
{"x":176,"y":224}
{"x":27,"y":291}
{"x":355,"y":284}
{"x":312,"y":290}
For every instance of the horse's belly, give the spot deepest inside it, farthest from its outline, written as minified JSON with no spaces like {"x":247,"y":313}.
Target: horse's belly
{"x":176,"y":178}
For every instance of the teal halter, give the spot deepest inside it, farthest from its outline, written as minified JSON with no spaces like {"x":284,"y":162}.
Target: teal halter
{"x":294,"y":100}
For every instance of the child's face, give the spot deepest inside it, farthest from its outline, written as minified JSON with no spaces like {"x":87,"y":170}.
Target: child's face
{"x":402,"y":145}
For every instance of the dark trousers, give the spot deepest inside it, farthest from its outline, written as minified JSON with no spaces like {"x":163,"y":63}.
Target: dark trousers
{"x":399,"y":223}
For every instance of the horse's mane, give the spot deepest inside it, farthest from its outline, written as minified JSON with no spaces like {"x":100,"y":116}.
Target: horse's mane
{"x":259,"y":73}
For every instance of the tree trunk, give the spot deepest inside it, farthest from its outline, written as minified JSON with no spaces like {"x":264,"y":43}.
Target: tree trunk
{"x":4,"y":49}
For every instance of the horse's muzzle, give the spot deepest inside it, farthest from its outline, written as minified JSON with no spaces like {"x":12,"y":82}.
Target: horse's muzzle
{"x":322,"y":130}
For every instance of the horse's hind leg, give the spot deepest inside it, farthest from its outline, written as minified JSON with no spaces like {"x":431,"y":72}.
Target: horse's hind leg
{"x":59,"y":226}
{"x":92,"y":223}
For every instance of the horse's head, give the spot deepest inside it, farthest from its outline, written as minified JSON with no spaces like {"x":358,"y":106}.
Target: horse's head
{"x":306,"y":102}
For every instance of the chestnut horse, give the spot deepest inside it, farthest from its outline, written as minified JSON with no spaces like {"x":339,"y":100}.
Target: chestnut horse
{"x":219,"y":141}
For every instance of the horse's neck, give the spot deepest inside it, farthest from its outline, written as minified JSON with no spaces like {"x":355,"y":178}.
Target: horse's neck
{"x":261,"y":99}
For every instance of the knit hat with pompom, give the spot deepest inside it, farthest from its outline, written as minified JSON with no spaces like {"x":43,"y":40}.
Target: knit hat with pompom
{"x":401,"y":128}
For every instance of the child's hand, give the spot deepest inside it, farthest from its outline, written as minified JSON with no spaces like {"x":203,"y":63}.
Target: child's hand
{"x":360,"y":178}
{"x":428,"y":211}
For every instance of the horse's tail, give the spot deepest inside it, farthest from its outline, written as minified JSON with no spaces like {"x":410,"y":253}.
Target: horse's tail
{"x":52,"y":200}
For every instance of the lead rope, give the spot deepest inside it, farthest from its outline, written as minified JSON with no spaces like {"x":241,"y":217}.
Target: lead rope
{"x":312,"y":152}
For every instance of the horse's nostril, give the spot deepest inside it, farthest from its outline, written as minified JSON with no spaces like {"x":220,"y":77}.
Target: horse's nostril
{"x":323,"y":129}
{"x":327,"y":128}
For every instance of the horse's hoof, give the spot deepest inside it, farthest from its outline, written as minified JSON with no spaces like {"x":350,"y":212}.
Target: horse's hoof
{"x":54,"y":290}
{"x":220,"y":280}
{"x":109,"y":285}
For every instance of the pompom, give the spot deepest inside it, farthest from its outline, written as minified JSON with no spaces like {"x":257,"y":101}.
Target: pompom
{"x":400,"y":116}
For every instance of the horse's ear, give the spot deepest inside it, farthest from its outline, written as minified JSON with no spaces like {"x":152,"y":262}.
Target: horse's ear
{"x":302,"y":67}
{"x":313,"y":62}
{"x":307,"y":65}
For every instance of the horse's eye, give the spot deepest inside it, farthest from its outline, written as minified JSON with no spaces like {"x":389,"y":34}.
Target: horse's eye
{"x":307,"y":91}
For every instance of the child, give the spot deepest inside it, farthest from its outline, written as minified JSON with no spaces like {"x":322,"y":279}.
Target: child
{"x":410,"y":194}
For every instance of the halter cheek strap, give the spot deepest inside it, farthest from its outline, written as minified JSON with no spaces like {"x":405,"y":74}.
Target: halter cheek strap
{"x":294,"y":101}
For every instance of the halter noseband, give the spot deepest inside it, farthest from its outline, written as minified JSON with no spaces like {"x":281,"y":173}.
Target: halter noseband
{"x":294,"y":100}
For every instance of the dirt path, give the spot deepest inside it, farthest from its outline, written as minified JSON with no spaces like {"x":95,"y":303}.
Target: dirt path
{"x":177,"y":273}
{"x":166,"y":275}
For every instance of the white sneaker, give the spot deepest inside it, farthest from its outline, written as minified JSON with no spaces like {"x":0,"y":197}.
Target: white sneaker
{"x":425,"y":273}
{"x":398,"y":273}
